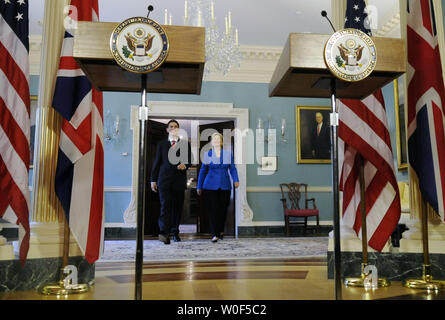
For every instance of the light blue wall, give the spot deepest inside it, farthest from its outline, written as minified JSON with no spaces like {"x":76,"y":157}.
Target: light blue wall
{"x":266,"y":206}
{"x":255,"y":97}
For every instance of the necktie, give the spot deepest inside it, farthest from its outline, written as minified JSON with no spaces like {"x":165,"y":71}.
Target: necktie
{"x":173,"y":143}
{"x":318,"y":130}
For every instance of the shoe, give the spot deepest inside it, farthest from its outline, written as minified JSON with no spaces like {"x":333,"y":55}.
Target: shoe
{"x":164,"y":238}
{"x":221,"y":236}
{"x":215,"y":239}
{"x":176,"y":238}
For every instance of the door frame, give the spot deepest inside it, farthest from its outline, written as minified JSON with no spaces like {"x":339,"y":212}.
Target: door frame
{"x":194,"y":111}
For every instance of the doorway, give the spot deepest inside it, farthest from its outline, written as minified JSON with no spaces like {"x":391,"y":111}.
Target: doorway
{"x":194,"y":219}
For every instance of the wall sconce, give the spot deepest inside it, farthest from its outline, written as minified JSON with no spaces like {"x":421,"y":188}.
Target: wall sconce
{"x":111,"y":127}
{"x":271,"y":125}
{"x":283,"y":137}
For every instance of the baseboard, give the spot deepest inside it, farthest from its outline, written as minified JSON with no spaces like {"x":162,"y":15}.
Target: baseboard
{"x":128,"y":233}
{"x":119,"y":233}
{"x":279,"y":231}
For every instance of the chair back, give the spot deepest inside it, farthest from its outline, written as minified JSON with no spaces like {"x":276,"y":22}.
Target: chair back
{"x":293,"y":191}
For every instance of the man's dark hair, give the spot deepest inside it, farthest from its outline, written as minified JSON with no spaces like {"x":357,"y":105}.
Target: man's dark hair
{"x":173,"y":120}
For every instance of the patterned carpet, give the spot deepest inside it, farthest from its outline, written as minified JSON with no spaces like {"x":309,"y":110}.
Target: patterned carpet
{"x":205,"y":250}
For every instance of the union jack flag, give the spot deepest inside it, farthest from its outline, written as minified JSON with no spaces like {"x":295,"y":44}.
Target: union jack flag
{"x":426,"y":101}
{"x":80,"y":165}
{"x":15,"y":118}
{"x":363,"y":131}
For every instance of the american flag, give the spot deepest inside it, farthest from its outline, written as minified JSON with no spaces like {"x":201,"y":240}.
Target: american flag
{"x":426,"y":101}
{"x":80,"y":164}
{"x":15,"y":118}
{"x":363,"y":130}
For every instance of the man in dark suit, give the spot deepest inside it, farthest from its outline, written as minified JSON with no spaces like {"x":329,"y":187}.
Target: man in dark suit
{"x":321,"y":139}
{"x":169,"y":178}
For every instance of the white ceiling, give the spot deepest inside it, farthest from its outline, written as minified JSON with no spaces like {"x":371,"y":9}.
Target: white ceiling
{"x":260,"y":22}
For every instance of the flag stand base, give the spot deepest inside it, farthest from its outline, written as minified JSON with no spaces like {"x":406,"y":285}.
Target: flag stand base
{"x":61,"y":290}
{"x":426,"y":283}
{"x":359,"y":282}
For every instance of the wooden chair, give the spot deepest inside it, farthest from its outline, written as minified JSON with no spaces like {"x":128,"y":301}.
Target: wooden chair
{"x":292,"y":192}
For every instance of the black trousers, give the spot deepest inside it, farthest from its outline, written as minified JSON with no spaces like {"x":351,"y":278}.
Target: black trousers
{"x":217,"y":202}
{"x":172,"y":203}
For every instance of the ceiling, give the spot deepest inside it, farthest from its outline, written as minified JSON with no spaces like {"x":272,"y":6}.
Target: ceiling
{"x":260,"y":22}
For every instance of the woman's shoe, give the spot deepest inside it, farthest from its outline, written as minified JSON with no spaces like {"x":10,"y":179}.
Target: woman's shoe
{"x":215,"y":239}
{"x":221,"y":236}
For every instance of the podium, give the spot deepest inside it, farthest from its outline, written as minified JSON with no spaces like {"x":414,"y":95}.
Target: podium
{"x":181,"y":72}
{"x":302,"y":72}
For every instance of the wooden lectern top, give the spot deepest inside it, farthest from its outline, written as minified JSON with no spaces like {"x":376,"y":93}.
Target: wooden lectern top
{"x":181,"y":72}
{"x":302,"y":72}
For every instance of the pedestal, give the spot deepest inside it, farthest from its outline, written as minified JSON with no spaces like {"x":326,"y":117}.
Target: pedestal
{"x":411,"y":241}
{"x":44,"y":259}
{"x":6,"y":249}
{"x":46,"y":241}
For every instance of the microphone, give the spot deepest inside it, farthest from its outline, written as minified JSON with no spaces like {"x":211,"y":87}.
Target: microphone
{"x":325,"y":15}
{"x":150,"y":9}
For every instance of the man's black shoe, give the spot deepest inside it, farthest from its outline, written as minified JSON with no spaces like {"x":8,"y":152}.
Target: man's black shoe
{"x":164,"y":238}
{"x":176,"y":238}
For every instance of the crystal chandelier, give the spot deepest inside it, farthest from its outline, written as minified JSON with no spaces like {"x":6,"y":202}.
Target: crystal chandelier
{"x":222,"y":48}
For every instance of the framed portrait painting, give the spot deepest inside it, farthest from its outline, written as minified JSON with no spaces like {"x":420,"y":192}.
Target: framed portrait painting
{"x":399,"y":103}
{"x":313,"y":134}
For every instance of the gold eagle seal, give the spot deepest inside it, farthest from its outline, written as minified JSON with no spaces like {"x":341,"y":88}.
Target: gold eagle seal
{"x":139,"y":45}
{"x":350,"y":55}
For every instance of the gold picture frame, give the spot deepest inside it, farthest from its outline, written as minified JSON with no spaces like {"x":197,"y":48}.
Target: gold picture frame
{"x":33,"y":113}
{"x":399,"y":103}
{"x":313,"y":146}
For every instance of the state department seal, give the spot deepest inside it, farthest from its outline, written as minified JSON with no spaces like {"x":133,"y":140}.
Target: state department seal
{"x":350,"y":55}
{"x":139,"y":45}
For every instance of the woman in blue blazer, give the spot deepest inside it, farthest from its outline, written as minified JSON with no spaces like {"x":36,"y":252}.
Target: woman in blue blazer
{"x":215,"y":186}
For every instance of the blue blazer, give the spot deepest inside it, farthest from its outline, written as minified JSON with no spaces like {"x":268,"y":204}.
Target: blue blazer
{"x":214,"y":173}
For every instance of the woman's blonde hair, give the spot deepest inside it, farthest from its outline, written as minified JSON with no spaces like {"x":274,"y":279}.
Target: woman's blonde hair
{"x":217,"y":134}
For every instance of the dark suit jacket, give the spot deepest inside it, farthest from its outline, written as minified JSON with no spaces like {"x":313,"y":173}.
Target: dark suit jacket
{"x":166,"y":174}
{"x":322,"y":143}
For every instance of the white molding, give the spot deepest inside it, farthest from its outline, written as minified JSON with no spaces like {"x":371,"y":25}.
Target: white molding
{"x":255,"y":189}
{"x":118,"y":189}
{"x":195,"y":110}
{"x":257,"y":66}
{"x":391,"y":28}
{"x":277,"y":189}
{"x":119,"y":225}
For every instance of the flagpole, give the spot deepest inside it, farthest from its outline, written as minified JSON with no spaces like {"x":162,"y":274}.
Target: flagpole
{"x":64,"y":286}
{"x":361,"y":281}
{"x":336,"y":200}
{"x":426,"y":282}
{"x":142,"y":181}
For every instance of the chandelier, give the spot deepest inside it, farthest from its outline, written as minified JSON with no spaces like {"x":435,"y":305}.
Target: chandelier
{"x":222,"y":47}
